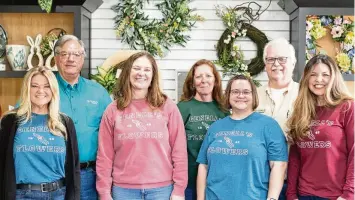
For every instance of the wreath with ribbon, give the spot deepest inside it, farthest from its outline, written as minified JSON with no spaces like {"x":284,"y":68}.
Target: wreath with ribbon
{"x":342,"y":31}
{"x":238,"y":22}
{"x":153,"y":35}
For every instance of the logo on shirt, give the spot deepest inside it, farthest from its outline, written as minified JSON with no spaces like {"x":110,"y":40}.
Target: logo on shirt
{"x":41,"y":139}
{"x":92,"y":102}
{"x":312,"y":135}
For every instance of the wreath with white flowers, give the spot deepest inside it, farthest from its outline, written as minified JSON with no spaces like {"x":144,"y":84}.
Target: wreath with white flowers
{"x":153,"y":35}
{"x":230,"y":57}
{"x":341,"y":31}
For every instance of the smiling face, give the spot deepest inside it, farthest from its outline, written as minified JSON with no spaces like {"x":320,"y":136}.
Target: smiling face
{"x":281,"y":69}
{"x":204,"y":80}
{"x":319,"y":79}
{"x":40,"y":91}
{"x":241,"y":98}
{"x":70,"y":60}
{"x":141,"y":74}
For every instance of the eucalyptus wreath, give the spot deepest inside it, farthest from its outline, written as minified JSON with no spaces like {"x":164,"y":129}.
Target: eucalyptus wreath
{"x":238,"y":22}
{"x":154,"y":35}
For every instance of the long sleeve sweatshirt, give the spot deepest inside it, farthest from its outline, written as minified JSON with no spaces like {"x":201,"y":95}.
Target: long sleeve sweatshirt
{"x":322,"y":164}
{"x":141,"y":148}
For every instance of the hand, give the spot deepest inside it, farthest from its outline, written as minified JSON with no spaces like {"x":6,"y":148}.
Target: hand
{"x":340,"y":198}
{"x":174,"y":197}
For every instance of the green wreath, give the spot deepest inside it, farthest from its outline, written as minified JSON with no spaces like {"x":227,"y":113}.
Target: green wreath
{"x":154,"y":36}
{"x":230,"y":57}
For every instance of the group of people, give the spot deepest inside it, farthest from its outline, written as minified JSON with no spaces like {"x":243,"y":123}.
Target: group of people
{"x":284,"y":140}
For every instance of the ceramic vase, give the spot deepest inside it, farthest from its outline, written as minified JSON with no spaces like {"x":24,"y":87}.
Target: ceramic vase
{"x":17,"y":56}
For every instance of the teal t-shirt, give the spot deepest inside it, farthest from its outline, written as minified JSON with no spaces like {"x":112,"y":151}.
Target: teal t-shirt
{"x":39,"y":155}
{"x":84,"y":103}
{"x":197,"y":117}
{"x":237,"y":153}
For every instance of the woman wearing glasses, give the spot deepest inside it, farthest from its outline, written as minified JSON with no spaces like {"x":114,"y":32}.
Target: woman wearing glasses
{"x":245,"y":154}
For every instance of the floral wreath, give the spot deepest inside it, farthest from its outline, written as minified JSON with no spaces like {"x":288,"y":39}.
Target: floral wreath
{"x":341,"y":31}
{"x":230,"y":56}
{"x":154,"y":36}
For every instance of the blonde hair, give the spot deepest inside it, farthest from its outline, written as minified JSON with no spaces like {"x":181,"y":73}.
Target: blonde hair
{"x":189,"y":90}
{"x":305,"y":104}
{"x":123,"y":90}
{"x":24,"y":110}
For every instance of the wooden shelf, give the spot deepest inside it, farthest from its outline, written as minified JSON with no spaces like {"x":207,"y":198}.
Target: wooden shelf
{"x":12,"y":74}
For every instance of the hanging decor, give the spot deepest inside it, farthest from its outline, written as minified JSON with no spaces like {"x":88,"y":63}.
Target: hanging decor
{"x":341,"y":30}
{"x":238,"y":21}
{"x":156,"y":36}
{"x":45,"y":5}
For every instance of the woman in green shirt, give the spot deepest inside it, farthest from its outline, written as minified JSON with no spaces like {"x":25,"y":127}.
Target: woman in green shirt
{"x":200,"y":105}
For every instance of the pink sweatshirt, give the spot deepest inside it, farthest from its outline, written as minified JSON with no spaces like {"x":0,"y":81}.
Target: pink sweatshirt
{"x":141,"y":148}
{"x":323,"y":163}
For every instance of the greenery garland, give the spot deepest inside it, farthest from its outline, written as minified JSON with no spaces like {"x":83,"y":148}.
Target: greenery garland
{"x":230,"y":57}
{"x":155,"y":36}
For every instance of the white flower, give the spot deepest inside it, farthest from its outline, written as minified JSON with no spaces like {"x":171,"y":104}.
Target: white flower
{"x":244,"y":67}
{"x":229,"y":24}
{"x":178,"y":19}
{"x":309,"y":25}
{"x":244,"y":32}
{"x":233,"y":53}
{"x":347,"y":47}
{"x":226,"y":41}
{"x":337,"y":31}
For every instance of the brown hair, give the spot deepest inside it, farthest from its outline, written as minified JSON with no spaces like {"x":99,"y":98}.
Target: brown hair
{"x":123,"y":90}
{"x":305,"y":104}
{"x":189,"y":90}
{"x":254,"y":93}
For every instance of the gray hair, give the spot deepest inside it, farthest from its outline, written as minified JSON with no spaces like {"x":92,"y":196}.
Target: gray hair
{"x":281,"y":42}
{"x":64,"y":39}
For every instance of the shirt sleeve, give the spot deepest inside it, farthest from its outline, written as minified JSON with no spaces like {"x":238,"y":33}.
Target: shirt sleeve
{"x":105,"y":155}
{"x":348,"y":188}
{"x":276,"y":143}
{"x":179,"y":150}
{"x":292,"y":173}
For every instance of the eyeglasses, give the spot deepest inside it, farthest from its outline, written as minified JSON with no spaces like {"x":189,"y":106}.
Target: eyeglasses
{"x":66,"y":55}
{"x":238,"y":92}
{"x":271,"y":60}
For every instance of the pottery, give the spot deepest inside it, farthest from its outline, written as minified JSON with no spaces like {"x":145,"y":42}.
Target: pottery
{"x":3,"y":41}
{"x":17,"y":56}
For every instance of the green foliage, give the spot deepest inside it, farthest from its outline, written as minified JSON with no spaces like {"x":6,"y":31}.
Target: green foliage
{"x":105,"y":78}
{"x":45,"y":5}
{"x":154,"y":36}
{"x":230,"y":56}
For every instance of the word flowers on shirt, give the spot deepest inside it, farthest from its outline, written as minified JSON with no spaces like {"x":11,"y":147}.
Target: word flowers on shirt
{"x":312,"y":136}
{"x":140,"y":123}
{"x":227,"y":137}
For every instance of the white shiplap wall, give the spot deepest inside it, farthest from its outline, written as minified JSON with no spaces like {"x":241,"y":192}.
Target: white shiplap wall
{"x":274,"y":23}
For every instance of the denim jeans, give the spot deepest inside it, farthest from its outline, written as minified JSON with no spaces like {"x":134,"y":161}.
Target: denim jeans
{"x":161,"y":193}
{"x":190,"y":193}
{"x":283,"y":192}
{"x":35,"y":194}
{"x":311,"y":198}
{"x":88,"y":184}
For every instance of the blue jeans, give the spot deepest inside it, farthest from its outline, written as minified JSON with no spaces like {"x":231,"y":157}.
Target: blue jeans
{"x":311,"y":198}
{"x":35,"y":194}
{"x":190,"y":193}
{"x":161,"y":193}
{"x":283,"y":192}
{"x":88,"y":184}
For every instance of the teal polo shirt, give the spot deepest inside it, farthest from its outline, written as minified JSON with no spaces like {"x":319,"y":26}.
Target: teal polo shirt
{"x":84,"y":102}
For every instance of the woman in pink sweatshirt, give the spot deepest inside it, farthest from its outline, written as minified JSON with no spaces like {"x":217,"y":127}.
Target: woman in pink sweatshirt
{"x":142,"y":143}
{"x":321,"y":160}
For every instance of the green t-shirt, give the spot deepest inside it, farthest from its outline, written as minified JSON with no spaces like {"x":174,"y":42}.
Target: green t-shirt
{"x":197,"y":117}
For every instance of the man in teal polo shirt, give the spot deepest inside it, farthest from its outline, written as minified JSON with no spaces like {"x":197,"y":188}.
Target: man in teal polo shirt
{"x":84,"y":101}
